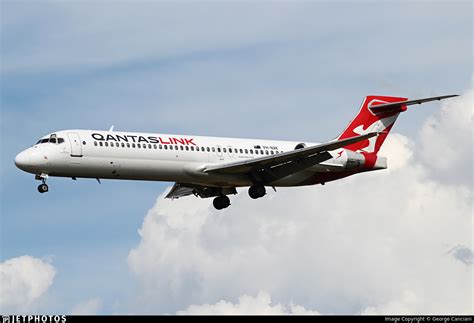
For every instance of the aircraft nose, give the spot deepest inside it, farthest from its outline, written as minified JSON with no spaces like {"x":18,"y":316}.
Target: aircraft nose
{"x":22,"y":160}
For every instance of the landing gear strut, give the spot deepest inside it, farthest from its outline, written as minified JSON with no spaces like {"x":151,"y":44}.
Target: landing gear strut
{"x":257,"y":191}
{"x":221,"y":202}
{"x":42,"y":188}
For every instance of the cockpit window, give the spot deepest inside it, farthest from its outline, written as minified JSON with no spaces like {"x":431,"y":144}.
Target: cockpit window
{"x":53,"y":140}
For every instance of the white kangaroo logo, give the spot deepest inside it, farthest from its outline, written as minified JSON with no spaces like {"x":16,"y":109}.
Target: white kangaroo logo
{"x":377,"y":126}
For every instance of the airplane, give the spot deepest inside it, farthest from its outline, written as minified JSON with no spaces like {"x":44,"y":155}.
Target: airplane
{"x":215,"y":167}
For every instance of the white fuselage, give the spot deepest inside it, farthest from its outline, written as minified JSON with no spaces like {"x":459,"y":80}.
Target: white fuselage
{"x":160,"y":157}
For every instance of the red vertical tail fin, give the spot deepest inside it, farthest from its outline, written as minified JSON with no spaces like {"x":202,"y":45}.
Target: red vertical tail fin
{"x":368,"y":120}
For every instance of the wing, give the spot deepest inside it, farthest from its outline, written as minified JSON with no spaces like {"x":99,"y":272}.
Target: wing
{"x":184,"y":189}
{"x":271,"y":168}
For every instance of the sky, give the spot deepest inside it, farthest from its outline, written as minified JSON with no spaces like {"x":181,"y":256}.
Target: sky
{"x":397,"y":241}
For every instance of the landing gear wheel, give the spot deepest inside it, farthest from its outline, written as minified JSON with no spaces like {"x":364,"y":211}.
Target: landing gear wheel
{"x":42,"y":188}
{"x":257,"y":191}
{"x":221,"y":202}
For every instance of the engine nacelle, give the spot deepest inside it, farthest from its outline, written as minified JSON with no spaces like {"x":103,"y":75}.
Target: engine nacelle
{"x":353,"y":160}
{"x":300,"y":145}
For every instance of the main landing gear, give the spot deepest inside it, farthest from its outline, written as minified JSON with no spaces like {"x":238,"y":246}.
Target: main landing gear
{"x":257,"y":191}
{"x":42,"y":188}
{"x":221,"y":202}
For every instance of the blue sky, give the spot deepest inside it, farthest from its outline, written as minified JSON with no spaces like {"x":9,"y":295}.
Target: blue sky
{"x":265,"y":69}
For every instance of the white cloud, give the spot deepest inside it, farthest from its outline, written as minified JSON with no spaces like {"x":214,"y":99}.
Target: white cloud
{"x":261,"y":304}
{"x":23,"y":280}
{"x":88,"y":307}
{"x":372,"y":243}
{"x":447,"y":139}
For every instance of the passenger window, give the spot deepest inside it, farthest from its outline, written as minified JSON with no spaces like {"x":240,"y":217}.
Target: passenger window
{"x":208,"y":150}
{"x":218,"y":149}
{"x":246,"y":151}
{"x":154,"y":146}
{"x":166,"y":147}
{"x":171,"y":147}
{"x":176,"y":147}
{"x":213,"y":149}
{"x":128,"y":145}
{"x":271,"y":152}
{"x":160,"y":146}
{"x":133,"y":145}
{"x":203,"y":149}
{"x":261,"y":152}
{"x":95,"y":143}
{"x":181,"y":147}
{"x":187,"y":147}
{"x":241,"y":151}
{"x":100,"y":143}
{"x":106,"y":144}
{"x":192,"y":148}
{"x":225,"y":150}
{"x":149,"y":146}
{"x":139,"y":146}
{"x":266,"y":152}
{"x":230,"y":150}
{"x":123,"y":145}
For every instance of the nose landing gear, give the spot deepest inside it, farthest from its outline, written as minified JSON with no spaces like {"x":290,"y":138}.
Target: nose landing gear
{"x":42,"y":188}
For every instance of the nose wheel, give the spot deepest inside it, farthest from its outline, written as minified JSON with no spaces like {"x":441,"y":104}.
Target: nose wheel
{"x":43,"y":188}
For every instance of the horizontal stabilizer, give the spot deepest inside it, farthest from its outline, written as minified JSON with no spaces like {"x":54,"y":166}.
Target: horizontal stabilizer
{"x":401,"y":106}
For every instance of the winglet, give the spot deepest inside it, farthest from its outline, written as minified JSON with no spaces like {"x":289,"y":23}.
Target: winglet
{"x":111,"y":128}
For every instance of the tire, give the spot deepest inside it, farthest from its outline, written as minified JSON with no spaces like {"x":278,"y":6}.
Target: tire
{"x":43,"y":188}
{"x":257,"y":191}
{"x":221,"y":202}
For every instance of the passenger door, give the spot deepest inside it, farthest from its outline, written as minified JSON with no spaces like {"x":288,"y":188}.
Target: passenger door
{"x":76,"y":145}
